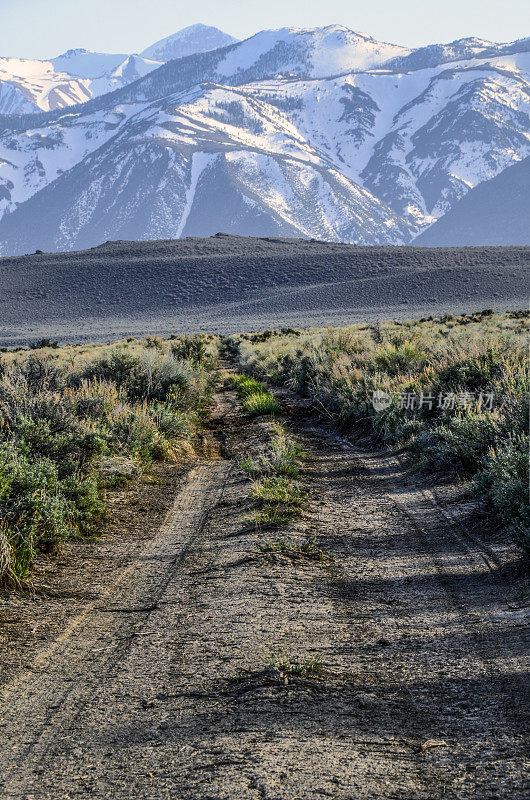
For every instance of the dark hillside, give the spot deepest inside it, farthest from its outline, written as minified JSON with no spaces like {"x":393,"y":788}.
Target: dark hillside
{"x":229,"y":283}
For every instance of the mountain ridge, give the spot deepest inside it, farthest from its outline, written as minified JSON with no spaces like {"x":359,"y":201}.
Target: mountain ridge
{"x":78,"y":74}
{"x":494,"y":213}
{"x":370,"y":155}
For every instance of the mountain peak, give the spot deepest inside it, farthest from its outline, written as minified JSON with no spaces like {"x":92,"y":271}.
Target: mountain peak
{"x":197,"y":26}
{"x":75,"y":51}
{"x":348,"y":31}
{"x":293,"y":132}
{"x":198,"y":38}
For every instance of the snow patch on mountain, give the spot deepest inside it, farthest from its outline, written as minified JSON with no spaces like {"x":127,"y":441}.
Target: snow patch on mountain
{"x":13,"y":99}
{"x":28,"y":86}
{"x":40,"y":84}
{"x":187,"y":42}
{"x":85,"y":64}
{"x":199,"y":162}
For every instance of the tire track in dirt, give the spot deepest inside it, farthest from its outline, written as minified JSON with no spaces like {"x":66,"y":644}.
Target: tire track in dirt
{"x":45,"y":701}
{"x":168,"y":690}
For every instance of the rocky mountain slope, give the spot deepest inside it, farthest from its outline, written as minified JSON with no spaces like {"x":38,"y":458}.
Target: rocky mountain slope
{"x":496,"y":212}
{"x":313,"y":133}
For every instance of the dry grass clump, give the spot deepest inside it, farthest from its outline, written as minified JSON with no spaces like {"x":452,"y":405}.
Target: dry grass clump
{"x":66,"y":413}
{"x":458,"y":387}
{"x":282,"y":458}
{"x":275,"y":469}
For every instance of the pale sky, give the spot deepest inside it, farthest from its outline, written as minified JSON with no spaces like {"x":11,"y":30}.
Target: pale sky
{"x":46,"y":28}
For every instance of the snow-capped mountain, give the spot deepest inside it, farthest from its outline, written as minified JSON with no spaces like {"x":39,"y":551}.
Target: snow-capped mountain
{"x":82,"y":63}
{"x":78,"y":75}
{"x":461,"y":49}
{"x":311,"y":53}
{"x":187,"y":42}
{"x":287,"y":53}
{"x":292,"y":132}
{"x":27,"y":86}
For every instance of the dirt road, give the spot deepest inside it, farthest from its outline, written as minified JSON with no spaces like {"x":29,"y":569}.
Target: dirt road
{"x":166,"y":680}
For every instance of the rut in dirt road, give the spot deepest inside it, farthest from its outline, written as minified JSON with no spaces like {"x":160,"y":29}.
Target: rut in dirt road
{"x":170,"y":687}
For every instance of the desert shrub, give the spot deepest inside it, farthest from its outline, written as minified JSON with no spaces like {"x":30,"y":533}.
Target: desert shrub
{"x":503,"y":482}
{"x":63,"y":414}
{"x":150,"y":375}
{"x":120,"y":368}
{"x":398,"y":358}
{"x":42,"y":343}
{"x":462,"y":441}
{"x":40,"y":374}
{"x":191,"y":348}
{"x":175,"y":424}
{"x":133,"y":430}
{"x":39,"y":509}
{"x":476,"y":373}
{"x":340,"y":369}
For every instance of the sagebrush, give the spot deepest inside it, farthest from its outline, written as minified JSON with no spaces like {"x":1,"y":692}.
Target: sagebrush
{"x":472,"y":369}
{"x":71,"y":417}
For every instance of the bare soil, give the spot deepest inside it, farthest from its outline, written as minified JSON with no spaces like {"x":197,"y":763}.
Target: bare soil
{"x":154,"y":666}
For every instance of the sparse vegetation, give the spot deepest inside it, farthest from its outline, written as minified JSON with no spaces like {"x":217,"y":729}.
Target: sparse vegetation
{"x":296,"y":667}
{"x":282,"y":458}
{"x":255,"y":399}
{"x":278,"y":490}
{"x":282,"y":665}
{"x":280,"y":499}
{"x":308,"y":549}
{"x":275,"y":470}
{"x":67,"y":414}
{"x":458,"y":390}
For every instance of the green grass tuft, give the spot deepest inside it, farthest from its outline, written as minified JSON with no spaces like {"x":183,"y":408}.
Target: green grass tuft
{"x":255,"y":399}
{"x":277,"y":490}
{"x":261,"y":404}
{"x":298,"y":668}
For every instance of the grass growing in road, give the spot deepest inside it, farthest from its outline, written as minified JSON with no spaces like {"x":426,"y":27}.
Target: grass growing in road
{"x":459,"y":391}
{"x":260,"y":404}
{"x":280,"y":499}
{"x":278,"y":490}
{"x":255,"y":399}
{"x":283,"y":457}
{"x":286,"y":665}
{"x":296,"y":667}
{"x":276,"y":471}
{"x":308,"y":549}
